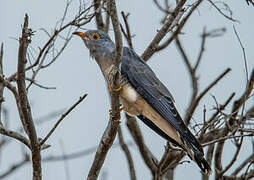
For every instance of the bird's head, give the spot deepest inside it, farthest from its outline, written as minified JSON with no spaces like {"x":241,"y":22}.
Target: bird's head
{"x":95,"y":40}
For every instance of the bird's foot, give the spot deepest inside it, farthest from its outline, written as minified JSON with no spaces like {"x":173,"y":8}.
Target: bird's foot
{"x":111,"y":90}
{"x":119,"y":117}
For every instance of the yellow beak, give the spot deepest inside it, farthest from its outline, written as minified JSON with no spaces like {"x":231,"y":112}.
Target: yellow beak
{"x":81,"y":34}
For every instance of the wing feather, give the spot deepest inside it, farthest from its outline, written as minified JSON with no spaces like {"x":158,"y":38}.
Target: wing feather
{"x":144,"y":80}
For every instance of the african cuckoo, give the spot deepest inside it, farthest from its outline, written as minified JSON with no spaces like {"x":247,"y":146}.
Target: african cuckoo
{"x":143,"y":95}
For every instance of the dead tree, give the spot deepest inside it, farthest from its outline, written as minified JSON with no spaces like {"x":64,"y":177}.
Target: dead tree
{"x":218,"y":127}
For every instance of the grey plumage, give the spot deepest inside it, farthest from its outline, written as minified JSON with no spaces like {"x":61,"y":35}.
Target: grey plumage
{"x":143,"y":79}
{"x":153,"y":103}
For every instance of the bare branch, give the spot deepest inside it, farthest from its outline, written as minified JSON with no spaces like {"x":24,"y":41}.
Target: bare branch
{"x":223,"y":14}
{"x":117,"y":32}
{"x":74,"y":155}
{"x":16,"y":95}
{"x":77,"y":21}
{"x":234,"y":157}
{"x":245,"y":176}
{"x":244,"y":54}
{"x":54,"y":158}
{"x":37,"y":84}
{"x":186,"y":60}
{"x":127,"y":34}
{"x":194,"y":81}
{"x":231,"y":122}
{"x":111,"y":130}
{"x":174,"y":159}
{"x":16,"y":136}
{"x":117,"y":60}
{"x":196,"y":102}
{"x":105,"y":144}
{"x":62,"y":118}
{"x":202,"y":49}
{"x":28,"y":123}
{"x":223,"y":138}
{"x":1,"y":84}
{"x":209,"y":157}
{"x":237,"y":104}
{"x":164,"y":164}
{"x":152,"y":47}
{"x":127,"y":154}
{"x":210,"y":122}
{"x":243,"y":164}
{"x":179,"y":27}
{"x":98,"y":16}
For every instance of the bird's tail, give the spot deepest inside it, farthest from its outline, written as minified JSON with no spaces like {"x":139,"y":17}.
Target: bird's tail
{"x":202,"y":163}
{"x":195,"y":152}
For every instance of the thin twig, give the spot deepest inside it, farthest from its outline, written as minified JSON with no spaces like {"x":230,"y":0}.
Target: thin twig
{"x":51,"y":45}
{"x":244,"y":55}
{"x":75,"y":22}
{"x":194,"y":81}
{"x":54,"y":158}
{"x":39,"y":85}
{"x":243,"y":164}
{"x":234,"y":157}
{"x":127,"y":154}
{"x":152,"y":47}
{"x":62,"y":118}
{"x":16,"y":95}
{"x":196,"y":102}
{"x":202,"y":50}
{"x":1,"y":84}
{"x":127,"y":34}
{"x":180,"y":26}
{"x":163,"y":160}
{"x":223,"y":14}
{"x":210,"y":122}
{"x":209,"y":157}
{"x":225,"y":138}
{"x":75,"y":155}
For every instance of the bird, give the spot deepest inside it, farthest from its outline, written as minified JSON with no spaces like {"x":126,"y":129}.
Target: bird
{"x":143,"y":95}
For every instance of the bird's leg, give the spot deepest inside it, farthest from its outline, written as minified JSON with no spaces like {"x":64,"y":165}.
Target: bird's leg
{"x":110,"y":78}
{"x":120,"y":109}
{"x":111,"y":90}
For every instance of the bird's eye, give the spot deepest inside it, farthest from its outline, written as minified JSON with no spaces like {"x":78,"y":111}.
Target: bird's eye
{"x":96,"y":36}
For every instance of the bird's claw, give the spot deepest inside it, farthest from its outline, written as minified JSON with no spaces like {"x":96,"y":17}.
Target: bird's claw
{"x":111,"y":90}
{"x":118,"y":120}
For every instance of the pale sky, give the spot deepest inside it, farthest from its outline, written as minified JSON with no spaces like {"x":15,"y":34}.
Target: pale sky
{"x":75,"y":73}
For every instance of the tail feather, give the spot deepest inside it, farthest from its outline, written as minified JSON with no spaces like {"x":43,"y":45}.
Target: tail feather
{"x":190,"y":145}
{"x":202,"y":163}
{"x":195,"y":152}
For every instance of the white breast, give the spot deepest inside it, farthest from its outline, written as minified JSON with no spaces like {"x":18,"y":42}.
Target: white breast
{"x":130,"y":94}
